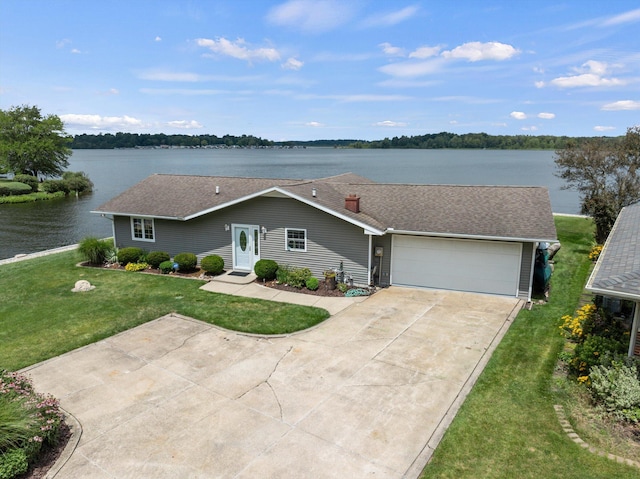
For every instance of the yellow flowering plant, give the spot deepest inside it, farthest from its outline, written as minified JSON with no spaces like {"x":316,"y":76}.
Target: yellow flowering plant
{"x":594,"y":254}
{"x":136,"y":266}
{"x":574,"y":326}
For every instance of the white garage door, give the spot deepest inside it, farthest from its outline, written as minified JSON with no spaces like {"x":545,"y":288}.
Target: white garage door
{"x":461,"y":265}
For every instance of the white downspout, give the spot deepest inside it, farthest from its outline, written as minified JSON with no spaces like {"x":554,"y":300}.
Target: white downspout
{"x":533,"y":267}
{"x":369,"y":260}
{"x":634,"y":329}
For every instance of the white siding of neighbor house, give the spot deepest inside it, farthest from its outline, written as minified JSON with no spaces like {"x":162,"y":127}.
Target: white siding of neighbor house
{"x":329,"y":239}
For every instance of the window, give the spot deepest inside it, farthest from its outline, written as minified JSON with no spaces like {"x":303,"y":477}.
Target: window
{"x":142,"y":229}
{"x":296,"y":239}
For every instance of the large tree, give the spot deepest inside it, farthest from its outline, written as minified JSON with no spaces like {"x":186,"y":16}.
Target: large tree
{"x":32,"y":144}
{"x":607,"y":176}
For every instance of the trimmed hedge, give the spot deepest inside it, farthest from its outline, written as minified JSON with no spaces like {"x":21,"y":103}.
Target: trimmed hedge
{"x":186,"y":261}
{"x":13,"y":188}
{"x":166,"y":267}
{"x":32,"y":181}
{"x":130,"y":254}
{"x":156,"y":257}
{"x":212,"y":264}
{"x":265,"y":269}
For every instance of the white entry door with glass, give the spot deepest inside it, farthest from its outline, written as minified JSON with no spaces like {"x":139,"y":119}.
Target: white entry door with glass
{"x":246,"y":246}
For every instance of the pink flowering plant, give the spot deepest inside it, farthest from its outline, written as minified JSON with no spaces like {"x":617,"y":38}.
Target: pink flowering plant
{"x":27,"y":421}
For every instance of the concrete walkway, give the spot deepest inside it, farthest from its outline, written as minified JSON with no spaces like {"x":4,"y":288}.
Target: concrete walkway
{"x":247,"y":287}
{"x":368,"y":393}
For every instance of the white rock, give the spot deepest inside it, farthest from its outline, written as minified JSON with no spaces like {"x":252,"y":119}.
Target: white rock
{"x":82,"y":285}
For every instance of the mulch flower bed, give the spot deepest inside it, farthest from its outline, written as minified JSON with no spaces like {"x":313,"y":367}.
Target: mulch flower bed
{"x":48,"y":455}
{"x":322,"y":290}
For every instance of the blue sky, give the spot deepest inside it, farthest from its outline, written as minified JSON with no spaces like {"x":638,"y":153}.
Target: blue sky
{"x":305,"y":69}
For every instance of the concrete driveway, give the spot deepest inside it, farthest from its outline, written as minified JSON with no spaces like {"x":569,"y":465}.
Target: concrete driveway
{"x":368,"y":393}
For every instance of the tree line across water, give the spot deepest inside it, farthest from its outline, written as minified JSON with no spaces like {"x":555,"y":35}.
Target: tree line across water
{"x":428,"y":141}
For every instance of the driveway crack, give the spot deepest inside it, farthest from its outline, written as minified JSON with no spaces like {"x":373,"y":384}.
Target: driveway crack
{"x":268,"y":384}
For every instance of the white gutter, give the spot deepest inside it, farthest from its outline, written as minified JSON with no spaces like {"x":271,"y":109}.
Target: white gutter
{"x":468,"y":236}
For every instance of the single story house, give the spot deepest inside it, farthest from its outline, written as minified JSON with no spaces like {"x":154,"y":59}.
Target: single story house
{"x":467,"y":238}
{"x":617,"y":271}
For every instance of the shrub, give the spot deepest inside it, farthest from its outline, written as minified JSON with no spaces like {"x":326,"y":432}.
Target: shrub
{"x":299,"y":276}
{"x":617,"y":389}
{"x":156,"y":257}
{"x":312,"y":283}
{"x":212,"y":264}
{"x":342,"y":287}
{"x":130,"y":254}
{"x":53,"y":186}
{"x":14,"y":188}
{"x":27,"y":420}
{"x":32,"y":181}
{"x":282,"y":274}
{"x":13,"y":463}
{"x":136,"y":266}
{"x":166,"y":267}
{"x":578,"y":325}
{"x":186,"y":261}
{"x":592,"y":352}
{"x":94,"y":250}
{"x":265,"y":269}
{"x":77,"y":181}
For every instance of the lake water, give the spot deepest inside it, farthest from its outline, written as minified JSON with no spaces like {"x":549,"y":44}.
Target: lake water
{"x":31,"y":227}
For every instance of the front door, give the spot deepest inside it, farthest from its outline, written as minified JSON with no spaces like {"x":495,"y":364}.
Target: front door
{"x":245,"y":250}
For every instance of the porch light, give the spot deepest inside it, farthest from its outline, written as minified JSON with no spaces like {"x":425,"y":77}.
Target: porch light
{"x":226,"y":227}
{"x":263,"y":230}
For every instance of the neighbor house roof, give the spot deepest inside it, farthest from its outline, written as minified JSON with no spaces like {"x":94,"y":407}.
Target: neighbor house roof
{"x":506,"y":212}
{"x":617,"y":271}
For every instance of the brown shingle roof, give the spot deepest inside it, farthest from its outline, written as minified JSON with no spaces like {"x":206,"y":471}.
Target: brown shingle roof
{"x":518,"y":212}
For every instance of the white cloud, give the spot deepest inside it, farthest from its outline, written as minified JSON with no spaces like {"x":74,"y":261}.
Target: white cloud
{"x":477,"y":51}
{"x":101,"y":122}
{"x":158,"y":39}
{"x":292,"y":64}
{"x":604,"y":128}
{"x":622,"y":105}
{"x":391,"y":51}
{"x":540,"y":84}
{"x":389,"y":123}
{"x":184,"y":124}
{"x":546,"y":116}
{"x":425,"y":52}
{"x":413,"y":69}
{"x":75,"y":51}
{"x":590,"y":74}
{"x":312,"y":16}
{"x":529,"y":128}
{"x":518,"y":115}
{"x":314,"y":124}
{"x":62,"y":43}
{"x":387,"y":19}
{"x":238,"y":49}
{"x":626,"y":17}
{"x":169,"y":76}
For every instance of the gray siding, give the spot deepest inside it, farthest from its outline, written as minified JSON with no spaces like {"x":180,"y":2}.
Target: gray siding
{"x":385,"y":271}
{"x":524,"y":284}
{"x":329,"y":239}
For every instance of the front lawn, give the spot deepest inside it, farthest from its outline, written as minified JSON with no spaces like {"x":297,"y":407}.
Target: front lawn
{"x":507,"y":427}
{"x":41,"y":318}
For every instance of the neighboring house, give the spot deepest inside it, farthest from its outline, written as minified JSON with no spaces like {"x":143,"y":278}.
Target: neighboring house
{"x":466,"y":238}
{"x":617,"y":271}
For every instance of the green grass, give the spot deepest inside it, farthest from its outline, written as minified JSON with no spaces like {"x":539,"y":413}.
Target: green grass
{"x":31,"y":197}
{"x":507,"y":427}
{"x":41,"y":318}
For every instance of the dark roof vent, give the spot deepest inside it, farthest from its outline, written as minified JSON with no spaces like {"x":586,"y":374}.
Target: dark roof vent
{"x":352,"y":203}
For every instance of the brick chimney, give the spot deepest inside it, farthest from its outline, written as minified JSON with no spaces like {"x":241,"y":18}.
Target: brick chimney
{"x":352,"y":203}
